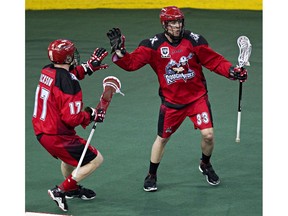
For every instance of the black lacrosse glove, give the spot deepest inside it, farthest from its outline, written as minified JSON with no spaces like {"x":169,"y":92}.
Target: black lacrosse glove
{"x":95,"y":61}
{"x":238,"y":73}
{"x":117,"y":41}
{"x":97,"y":115}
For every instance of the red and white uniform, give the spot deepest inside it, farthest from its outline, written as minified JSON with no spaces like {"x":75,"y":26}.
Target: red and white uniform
{"x":179,"y":70}
{"x":182,"y":87}
{"x":58,"y":103}
{"x":58,"y":110}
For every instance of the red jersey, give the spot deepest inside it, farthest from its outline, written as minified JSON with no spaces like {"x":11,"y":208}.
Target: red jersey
{"x":58,"y":102}
{"x":177,"y":66}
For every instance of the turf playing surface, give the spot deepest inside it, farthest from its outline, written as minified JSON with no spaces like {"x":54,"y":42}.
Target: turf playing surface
{"x":126,"y":136}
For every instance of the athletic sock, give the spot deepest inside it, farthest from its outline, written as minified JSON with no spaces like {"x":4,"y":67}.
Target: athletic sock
{"x":205,"y":159}
{"x":69,"y":184}
{"x":153,"y":168}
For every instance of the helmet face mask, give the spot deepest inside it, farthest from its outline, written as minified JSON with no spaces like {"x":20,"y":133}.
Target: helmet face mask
{"x":172,"y":21}
{"x":61,"y":51}
{"x":76,"y":61}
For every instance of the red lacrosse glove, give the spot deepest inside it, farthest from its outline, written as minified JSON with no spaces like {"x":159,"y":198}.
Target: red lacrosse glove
{"x":238,"y":73}
{"x":95,"y":62}
{"x":97,"y":115}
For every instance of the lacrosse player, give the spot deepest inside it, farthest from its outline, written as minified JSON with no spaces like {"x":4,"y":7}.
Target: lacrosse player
{"x":177,"y":57}
{"x":58,"y":110}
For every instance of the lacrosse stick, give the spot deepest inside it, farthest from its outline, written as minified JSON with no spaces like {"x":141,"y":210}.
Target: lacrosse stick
{"x":245,"y":49}
{"x":111,"y":85}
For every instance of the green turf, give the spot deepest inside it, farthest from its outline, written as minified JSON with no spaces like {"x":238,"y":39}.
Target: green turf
{"x":126,"y":136}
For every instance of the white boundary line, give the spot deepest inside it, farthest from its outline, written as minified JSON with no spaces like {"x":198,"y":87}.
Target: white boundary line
{"x":42,"y":214}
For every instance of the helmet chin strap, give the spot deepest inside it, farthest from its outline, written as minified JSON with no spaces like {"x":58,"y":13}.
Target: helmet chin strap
{"x":175,"y":39}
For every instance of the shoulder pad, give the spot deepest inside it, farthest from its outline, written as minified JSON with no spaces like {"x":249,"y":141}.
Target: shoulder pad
{"x":153,"y":42}
{"x":196,"y":39}
{"x":49,"y":65}
{"x":67,"y":82}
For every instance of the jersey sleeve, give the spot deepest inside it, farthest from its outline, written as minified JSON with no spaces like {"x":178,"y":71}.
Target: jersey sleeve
{"x":207,"y":56}
{"x":78,"y":71}
{"x":134,"y":60}
{"x":213,"y":60}
{"x":71,"y":111}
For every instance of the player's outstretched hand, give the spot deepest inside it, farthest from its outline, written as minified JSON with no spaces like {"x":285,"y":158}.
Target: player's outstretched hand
{"x":117,"y":41}
{"x":95,"y":61}
{"x":238,"y":73}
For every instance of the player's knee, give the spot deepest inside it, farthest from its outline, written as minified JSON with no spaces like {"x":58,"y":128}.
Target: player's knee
{"x":208,"y":137}
{"x":97,"y":161}
{"x":162,"y":141}
{"x":99,"y":158}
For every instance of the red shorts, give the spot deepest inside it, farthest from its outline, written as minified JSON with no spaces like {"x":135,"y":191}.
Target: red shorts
{"x":67,"y":148}
{"x":170,"y":119}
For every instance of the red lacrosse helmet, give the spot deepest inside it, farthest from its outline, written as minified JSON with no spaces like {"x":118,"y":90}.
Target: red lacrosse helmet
{"x":61,"y":51}
{"x":170,"y":13}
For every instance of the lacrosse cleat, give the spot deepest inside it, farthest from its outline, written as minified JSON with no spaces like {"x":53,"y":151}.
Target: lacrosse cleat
{"x":150,"y":183}
{"x":59,"y":197}
{"x":208,"y":171}
{"x":81,"y":192}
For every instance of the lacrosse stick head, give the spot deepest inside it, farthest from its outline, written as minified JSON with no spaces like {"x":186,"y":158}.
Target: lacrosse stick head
{"x":111,"y":85}
{"x":245,"y":49}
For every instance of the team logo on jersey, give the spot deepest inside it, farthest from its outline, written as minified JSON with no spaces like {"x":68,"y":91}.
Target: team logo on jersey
{"x":73,"y":76}
{"x":176,"y":70}
{"x":165,"y":53}
{"x":168,"y":130}
{"x":194,"y":36}
{"x":153,"y":40}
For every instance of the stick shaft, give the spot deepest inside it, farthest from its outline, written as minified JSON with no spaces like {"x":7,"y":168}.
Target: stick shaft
{"x":239,"y":114}
{"x":84,"y":151}
{"x":238,"y":127}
